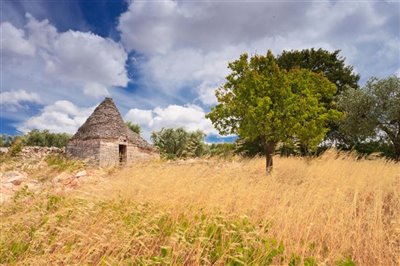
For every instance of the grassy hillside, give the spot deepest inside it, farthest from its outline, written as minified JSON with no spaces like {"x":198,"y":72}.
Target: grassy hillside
{"x":333,"y":210}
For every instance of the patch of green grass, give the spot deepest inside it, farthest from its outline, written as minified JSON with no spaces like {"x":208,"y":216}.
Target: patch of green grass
{"x":60,"y":163}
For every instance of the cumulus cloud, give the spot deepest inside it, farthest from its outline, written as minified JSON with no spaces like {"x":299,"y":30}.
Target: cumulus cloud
{"x":139,"y":116}
{"x":72,"y":58}
{"x":191,"y":117}
{"x":62,"y":116}
{"x":14,"y":100}
{"x":13,"y":41}
{"x":206,"y":92}
{"x":208,"y":26}
{"x":195,"y":40}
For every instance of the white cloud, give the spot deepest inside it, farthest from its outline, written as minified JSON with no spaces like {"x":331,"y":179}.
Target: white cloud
{"x":13,"y":100}
{"x":207,"y":92}
{"x":41,"y":33}
{"x":188,"y":44}
{"x":95,"y":90}
{"x":88,"y":59}
{"x":190,"y":117}
{"x":62,"y":116}
{"x":138,"y":116}
{"x":13,"y":41}
{"x":70,"y":59}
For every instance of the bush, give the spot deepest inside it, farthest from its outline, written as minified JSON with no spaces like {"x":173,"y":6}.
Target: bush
{"x":222,"y":149}
{"x":6,"y":140}
{"x":46,"y":139}
{"x":16,"y":147}
{"x":134,"y":127}
{"x":179,"y":143}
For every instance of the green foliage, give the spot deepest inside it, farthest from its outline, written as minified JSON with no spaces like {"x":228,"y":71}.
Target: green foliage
{"x":179,"y":143}
{"x":60,"y":163}
{"x":224,"y":150}
{"x":330,"y":64}
{"x":16,"y":147}
{"x":46,"y":139}
{"x":262,"y":101}
{"x":250,"y":148}
{"x":372,"y":114}
{"x":6,"y":140}
{"x":195,"y":146}
{"x":134,"y":127}
{"x":310,"y":262}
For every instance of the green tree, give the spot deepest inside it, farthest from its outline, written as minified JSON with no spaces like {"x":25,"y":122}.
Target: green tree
{"x":330,"y":64}
{"x":222,"y":149}
{"x":260,"y":100}
{"x":6,"y":140}
{"x":178,"y":143}
{"x":373,"y":113}
{"x":195,"y":146}
{"x":134,"y":127}
{"x":45,"y":138}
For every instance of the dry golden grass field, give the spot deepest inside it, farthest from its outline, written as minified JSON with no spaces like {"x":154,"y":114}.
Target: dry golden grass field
{"x":332,"y":210}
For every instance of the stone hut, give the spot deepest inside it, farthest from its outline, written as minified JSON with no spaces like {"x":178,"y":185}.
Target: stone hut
{"x":105,"y":140}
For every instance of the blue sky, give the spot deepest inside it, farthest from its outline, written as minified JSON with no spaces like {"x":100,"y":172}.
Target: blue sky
{"x":162,"y":60}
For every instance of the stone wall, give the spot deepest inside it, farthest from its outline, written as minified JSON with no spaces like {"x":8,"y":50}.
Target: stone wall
{"x":106,"y":152}
{"x":109,"y":153}
{"x":135,"y":153}
{"x":86,"y":150}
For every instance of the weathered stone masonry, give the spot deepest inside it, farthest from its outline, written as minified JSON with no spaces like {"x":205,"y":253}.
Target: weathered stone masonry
{"x":105,"y":140}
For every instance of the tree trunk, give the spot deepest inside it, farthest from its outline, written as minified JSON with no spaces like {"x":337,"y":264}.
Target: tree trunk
{"x":269,"y":152}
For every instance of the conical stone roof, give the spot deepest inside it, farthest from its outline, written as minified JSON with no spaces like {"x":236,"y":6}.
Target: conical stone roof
{"x":106,"y":123}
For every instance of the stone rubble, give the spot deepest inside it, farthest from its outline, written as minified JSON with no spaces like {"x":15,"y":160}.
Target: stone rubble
{"x":15,"y":177}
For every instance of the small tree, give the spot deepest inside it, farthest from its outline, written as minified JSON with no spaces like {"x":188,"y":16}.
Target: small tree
{"x":172,"y":142}
{"x":373,"y":113}
{"x":178,"y":143}
{"x":16,"y":146}
{"x":195,"y":146}
{"x":134,"y":127}
{"x":261,"y":101}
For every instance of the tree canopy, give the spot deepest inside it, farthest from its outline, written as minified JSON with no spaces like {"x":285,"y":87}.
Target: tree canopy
{"x":373,"y":112}
{"x":178,"y":143}
{"x":45,"y":138}
{"x":134,"y":127}
{"x":262,"y":101}
{"x":330,"y":64}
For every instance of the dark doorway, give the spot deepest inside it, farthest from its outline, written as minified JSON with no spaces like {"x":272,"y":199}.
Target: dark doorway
{"x":122,"y":154}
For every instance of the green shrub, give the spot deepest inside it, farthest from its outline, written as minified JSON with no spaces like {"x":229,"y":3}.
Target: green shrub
{"x":46,"y":139}
{"x":134,"y":127}
{"x":222,"y":149}
{"x":16,"y":147}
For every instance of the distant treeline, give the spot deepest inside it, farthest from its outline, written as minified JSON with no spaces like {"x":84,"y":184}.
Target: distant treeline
{"x":42,"y":138}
